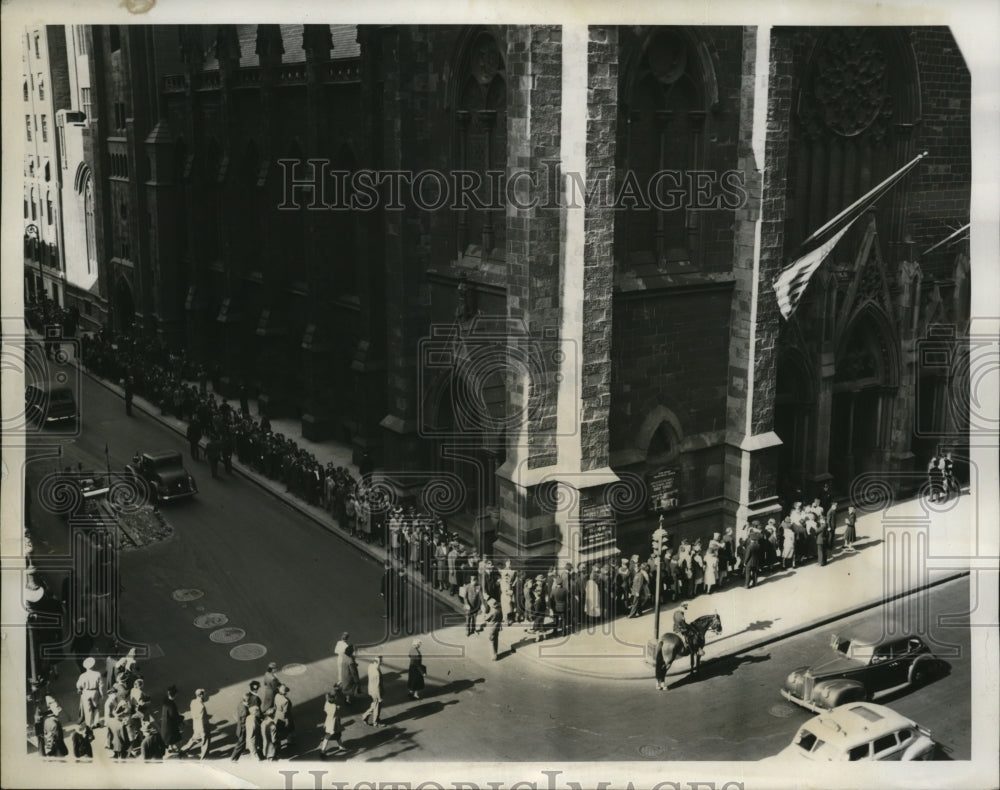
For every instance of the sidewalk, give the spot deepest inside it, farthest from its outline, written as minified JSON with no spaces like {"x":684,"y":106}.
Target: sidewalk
{"x":886,"y":566}
{"x":810,"y":596}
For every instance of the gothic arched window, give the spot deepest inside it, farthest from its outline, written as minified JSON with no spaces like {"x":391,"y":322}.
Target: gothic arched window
{"x":664,"y":130}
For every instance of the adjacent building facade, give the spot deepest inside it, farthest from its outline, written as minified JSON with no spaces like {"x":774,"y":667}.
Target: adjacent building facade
{"x":547,"y":309}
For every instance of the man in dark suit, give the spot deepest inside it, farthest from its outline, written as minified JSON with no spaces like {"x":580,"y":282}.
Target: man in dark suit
{"x":558,"y":601}
{"x":170,"y":722}
{"x":751,"y":560}
{"x":247,"y":701}
{"x":473,"y":602}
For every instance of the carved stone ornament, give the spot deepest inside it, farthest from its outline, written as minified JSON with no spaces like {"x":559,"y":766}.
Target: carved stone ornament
{"x":847,"y":91}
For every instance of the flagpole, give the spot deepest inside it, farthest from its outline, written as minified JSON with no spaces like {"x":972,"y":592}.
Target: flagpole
{"x":861,"y":200}
{"x":962,"y":229}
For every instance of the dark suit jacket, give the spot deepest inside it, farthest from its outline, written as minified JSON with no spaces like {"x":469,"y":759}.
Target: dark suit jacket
{"x":558,"y":598}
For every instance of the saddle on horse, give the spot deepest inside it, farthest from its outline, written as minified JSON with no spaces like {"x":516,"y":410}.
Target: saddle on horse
{"x":689,"y":638}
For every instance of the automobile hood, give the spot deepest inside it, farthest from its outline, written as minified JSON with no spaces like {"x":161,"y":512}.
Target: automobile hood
{"x":835,"y":665}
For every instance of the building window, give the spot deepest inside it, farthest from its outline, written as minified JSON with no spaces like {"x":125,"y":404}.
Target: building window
{"x":41,"y":87}
{"x":85,"y":101}
{"x":88,"y":210}
{"x":25,"y":90}
{"x":664,"y":133}
{"x":48,"y":209}
{"x":481,"y":131}
{"x":81,"y":39}
{"x":45,"y":129}
{"x":25,"y":206}
{"x":27,"y":124}
{"x":34,"y":211}
{"x":116,"y":38}
{"x":37,"y":53}
{"x":61,"y":137}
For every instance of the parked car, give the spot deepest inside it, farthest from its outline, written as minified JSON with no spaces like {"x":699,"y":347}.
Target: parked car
{"x":859,"y":731}
{"x":165,"y":474}
{"x":49,"y":404}
{"x":862,"y":670}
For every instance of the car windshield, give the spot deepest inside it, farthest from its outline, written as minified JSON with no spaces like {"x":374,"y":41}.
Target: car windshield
{"x":861,"y":652}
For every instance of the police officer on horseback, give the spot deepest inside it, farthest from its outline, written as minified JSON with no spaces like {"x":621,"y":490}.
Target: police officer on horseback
{"x":687,"y":632}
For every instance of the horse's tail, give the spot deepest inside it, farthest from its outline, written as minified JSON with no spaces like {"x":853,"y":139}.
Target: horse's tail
{"x":661,"y":664}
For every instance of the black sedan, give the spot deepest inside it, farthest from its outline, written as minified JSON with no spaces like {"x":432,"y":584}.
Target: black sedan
{"x":163,"y":471}
{"x":862,"y":670}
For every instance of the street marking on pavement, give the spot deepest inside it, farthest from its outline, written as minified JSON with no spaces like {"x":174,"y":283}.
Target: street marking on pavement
{"x":781,"y":710}
{"x":227,"y":636}
{"x":650,"y":750}
{"x":294,"y":669}
{"x":248,"y":652}
{"x":212,"y":620}
{"x":190,"y":594}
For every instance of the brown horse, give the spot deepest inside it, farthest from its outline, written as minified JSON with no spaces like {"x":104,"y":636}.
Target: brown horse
{"x":670,"y":647}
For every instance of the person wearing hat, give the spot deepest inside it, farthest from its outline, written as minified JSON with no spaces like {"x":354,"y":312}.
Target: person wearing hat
{"x":247,"y":701}
{"x":252,"y":732}
{"x":332,"y":725}
{"x":90,"y":687}
{"x":269,"y":687}
{"x":494,"y":623}
{"x":52,"y":742}
{"x":152,"y":746}
{"x":473,"y":603}
{"x":640,"y":590}
{"x":623,"y":584}
{"x":170,"y":721}
{"x":374,"y":712}
{"x":751,"y":560}
{"x":201,"y":735}
{"x":558,"y":603}
{"x":417,"y":670}
{"x":283,"y":716}
{"x":347,"y":668}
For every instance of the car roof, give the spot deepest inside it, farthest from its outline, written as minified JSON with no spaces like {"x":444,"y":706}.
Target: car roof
{"x":855,"y":723}
{"x":162,"y":455}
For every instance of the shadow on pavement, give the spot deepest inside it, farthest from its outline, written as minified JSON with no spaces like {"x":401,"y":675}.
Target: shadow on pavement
{"x":717,"y":668}
{"x":757,"y":625}
{"x":419,"y":711}
{"x":454,"y":687}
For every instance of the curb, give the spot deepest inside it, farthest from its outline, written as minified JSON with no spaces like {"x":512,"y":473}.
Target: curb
{"x":559,"y":664}
{"x":330,"y":525}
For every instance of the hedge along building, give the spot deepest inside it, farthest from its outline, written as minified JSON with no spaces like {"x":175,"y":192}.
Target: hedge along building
{"x":565,"y":363}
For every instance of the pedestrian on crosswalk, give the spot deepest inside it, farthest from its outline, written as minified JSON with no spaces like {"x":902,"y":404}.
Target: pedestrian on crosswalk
{"x":201,"y":735}
{"x":417,"y":670}
{"x":332,"y":725}
{"x":373,"y":714}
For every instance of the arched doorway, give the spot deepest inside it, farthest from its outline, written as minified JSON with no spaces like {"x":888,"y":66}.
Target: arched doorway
{"x":865,"y":379}
{"x":124,"y":307}
{"x":794,"y":401}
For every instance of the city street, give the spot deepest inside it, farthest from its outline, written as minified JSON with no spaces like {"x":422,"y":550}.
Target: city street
{"x":293,"y":587}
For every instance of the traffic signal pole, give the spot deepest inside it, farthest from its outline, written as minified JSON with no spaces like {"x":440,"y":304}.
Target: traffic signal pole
{"x":659,"y":544}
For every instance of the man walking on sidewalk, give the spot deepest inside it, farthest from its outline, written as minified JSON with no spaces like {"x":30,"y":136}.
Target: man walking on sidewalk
{"x":751,"y":561}
{"x":473,"y":603}
{"x":194,"y":436}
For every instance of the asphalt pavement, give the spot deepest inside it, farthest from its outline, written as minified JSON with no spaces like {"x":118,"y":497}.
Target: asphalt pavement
{"x":241,"y":554}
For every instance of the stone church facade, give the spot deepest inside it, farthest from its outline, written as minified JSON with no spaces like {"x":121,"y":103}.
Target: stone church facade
{"x":591,"y":340}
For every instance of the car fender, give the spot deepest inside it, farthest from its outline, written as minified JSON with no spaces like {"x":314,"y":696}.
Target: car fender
{"x":925,"y":664}
{"x":838,"y":691}
{"x":923,"y":748}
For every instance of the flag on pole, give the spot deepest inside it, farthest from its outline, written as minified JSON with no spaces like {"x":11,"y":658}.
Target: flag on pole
{"x":792,"y":282}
